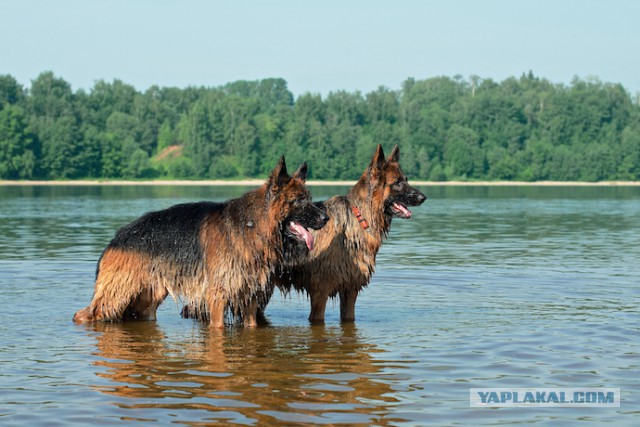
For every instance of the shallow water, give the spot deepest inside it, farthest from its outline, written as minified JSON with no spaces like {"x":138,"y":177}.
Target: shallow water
{"x":483,"y":287}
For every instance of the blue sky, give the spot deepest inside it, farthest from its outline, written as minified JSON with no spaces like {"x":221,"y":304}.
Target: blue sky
{"x":318,"y":46}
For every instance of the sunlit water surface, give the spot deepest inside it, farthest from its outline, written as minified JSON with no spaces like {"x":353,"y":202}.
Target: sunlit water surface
{"x":483,"y":287}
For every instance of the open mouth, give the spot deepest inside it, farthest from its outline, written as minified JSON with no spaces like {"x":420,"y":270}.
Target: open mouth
{"x":400,"y":210}
{"x":301,"y":233}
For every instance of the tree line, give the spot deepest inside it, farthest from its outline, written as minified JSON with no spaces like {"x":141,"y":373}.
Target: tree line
{"x":524,"y":128}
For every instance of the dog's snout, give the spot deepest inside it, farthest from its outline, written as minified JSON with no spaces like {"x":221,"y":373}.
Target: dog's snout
{"x":319,"y":218}
{"x":324,"y":218}
{"x":419,"y":198}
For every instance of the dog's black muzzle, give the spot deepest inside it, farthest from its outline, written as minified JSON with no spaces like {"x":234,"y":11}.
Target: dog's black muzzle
{"x":314,"y":217}
{"x":407,"y":196}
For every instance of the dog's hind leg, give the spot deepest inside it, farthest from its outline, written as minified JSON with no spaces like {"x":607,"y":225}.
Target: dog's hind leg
{"x":158,"y":298}
{"x":83,"y":316}
{"x":348,"y":305}
{"x":146,"y":304}
{"x":103,"y":309}
{"x":121,"y":278}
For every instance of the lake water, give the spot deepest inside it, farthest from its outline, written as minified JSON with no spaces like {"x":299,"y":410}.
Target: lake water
{"x":484,"y":287}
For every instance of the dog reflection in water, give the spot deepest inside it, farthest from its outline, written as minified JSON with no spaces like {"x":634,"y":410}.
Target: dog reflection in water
{"x":245,"y":371}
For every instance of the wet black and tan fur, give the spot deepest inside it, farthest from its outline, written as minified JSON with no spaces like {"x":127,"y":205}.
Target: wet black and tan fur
{"x":343,"y":259}
{"x":213,"y":256}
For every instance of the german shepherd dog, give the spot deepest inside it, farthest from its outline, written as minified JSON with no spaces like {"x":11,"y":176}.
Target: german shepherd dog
{"x":214,"y":256}
{"x":344,"y":256}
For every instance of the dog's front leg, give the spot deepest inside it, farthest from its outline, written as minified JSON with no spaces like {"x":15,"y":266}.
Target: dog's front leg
{"x":348,"y":305}
{"x":250,"y":313}
{"x":318,"y":305}
{"x":216,"y":305}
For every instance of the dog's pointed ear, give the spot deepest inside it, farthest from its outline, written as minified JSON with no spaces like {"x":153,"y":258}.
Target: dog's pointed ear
{"x":395,"y":155}
{"x":301,"y":173}
{"x":377,"y":161}
{"x":374,"y":172}
{"x":278,"y":178}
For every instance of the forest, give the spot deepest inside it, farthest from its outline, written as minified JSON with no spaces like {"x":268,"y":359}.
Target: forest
{"x":448,"y":128}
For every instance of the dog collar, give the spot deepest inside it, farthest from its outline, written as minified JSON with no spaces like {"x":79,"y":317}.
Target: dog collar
{"x":363,"y":222}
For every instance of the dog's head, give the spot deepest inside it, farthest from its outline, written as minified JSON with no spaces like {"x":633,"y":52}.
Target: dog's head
{"x":290,"y":204}
{"x":388,"y":184}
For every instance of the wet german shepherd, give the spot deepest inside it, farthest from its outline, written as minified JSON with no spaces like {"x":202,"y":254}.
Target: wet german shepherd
{"x":344,"y":256}
{"x":214,"y":256}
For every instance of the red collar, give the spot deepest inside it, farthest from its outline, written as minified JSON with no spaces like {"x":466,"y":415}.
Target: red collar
{"x":363,"y":222}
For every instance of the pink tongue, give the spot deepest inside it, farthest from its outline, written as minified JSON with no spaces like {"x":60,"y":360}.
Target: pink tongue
{"x":406,"y":213}
{"x":304,"y":233}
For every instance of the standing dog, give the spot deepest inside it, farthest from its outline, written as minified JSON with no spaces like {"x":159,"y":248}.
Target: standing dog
{"x":344,"y":256}
{"x":213,"y":255}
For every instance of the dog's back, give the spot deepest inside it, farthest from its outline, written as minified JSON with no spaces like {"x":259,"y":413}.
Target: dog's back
{"x":170,"y":235}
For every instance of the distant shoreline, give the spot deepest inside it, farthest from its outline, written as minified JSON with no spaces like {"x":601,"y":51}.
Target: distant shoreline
{"x":257,"y":182}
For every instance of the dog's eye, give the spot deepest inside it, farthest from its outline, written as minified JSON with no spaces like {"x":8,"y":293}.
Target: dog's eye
{"x":399,"y":183}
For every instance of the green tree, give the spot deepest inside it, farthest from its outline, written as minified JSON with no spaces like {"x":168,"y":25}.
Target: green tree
{"x":538,"y":154}
{"x":17,"y":147}
{"x":50,"y":97}
{"x":11,"y":92}
{"x":111,"y":157}
{"x":629,"y":168}
{"x":462,"y":154}
{"x":246,"y":149}
{"x":448,"y":128}
{"x":202,"y":132}
{"x":277,"y":133}
{"x":106,"y":98}
{"x":137,"y":163}
{"x":166,"y":137}
{"x":63,"y":150}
